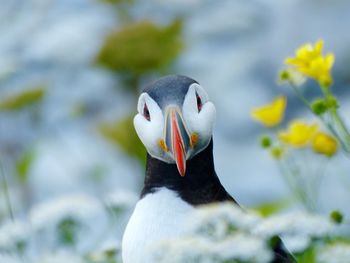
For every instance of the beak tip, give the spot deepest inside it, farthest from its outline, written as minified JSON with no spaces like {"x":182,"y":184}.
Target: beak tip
{"x":182,"y":173}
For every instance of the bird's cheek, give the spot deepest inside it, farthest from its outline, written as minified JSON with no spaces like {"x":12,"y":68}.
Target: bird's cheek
{"x":147,"y":131}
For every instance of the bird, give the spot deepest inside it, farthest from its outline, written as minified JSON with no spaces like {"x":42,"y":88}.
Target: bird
{"x":174,"y":121}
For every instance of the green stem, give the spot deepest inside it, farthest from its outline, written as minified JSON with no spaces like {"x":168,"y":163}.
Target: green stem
{"x":291,"y":177}
{"x":302,"y":98}
{"x":344,"y":138}
{"x":336,"y":118}
{"x":6,"y":193}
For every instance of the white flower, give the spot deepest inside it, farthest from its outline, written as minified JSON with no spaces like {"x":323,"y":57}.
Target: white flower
{"x":79,"y":207}
{"x":239,"y":246}
{"x":73,"y":220}
{"x":337,"y":253}
{"x":110,"y":248}
{"x":219,"y":220}
{"x":5,"y":258}
{"x":121,"y":200}
{"x":60,"y":257}
{"x":296,"y":244}
{"x":13,"y":235}
{"x":295,"y":224}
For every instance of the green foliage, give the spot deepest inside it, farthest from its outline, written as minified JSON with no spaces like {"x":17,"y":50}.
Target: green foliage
{"x":123,"y":134}
{"x":336,"y":216}
{"x":23,"y":99}
{"x":269,"y":208}
{"x":67,"y":230}
{"x":308,"y":256}
{"x":141,"y":47}
{"x":23,"y":165}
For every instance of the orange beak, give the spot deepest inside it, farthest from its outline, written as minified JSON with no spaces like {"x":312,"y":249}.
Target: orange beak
{"x":177,"y":138}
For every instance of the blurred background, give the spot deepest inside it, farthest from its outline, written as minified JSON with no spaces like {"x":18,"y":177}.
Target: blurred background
{"x":71,"y":72}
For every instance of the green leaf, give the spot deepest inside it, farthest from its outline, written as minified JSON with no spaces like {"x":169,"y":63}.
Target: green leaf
{"x":308,"y":256}
{"x":269,"y":208}
{"x":24,"y":164}
{"x":23,"y":99}
{"x":123,"y":134}
{"x":336,"y":216}
{"x":141,"y":47}
{"x":67,"y":231}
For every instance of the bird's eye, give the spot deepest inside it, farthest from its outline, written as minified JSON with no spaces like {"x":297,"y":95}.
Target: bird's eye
{"x":199,"y":103}
{"x":146,"y":113}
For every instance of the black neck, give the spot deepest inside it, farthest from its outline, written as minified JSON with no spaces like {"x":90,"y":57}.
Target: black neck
{"x":200,"y":185}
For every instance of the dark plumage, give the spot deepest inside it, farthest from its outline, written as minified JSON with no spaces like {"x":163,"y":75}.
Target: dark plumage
{"x":200,"y":186}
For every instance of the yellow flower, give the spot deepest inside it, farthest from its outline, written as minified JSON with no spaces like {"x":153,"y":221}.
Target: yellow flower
{"x":299,"y":134}
{"x":324,"y":144}
{"x":271,"y":114}
{"x":310,"y":61}
{"x":305,"y":54}
{"x":320,"y":69}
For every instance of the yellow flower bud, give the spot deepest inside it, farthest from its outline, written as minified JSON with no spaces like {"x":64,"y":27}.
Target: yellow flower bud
{"x":277,"y":152}
{"x":271,"y":114}
{"x":324,"y":144}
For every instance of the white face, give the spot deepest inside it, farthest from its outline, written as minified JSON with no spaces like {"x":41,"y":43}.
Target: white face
{"x":195,"y":118}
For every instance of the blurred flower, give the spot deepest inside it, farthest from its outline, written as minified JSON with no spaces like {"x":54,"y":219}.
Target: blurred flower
{"x":53,"y":211}
{"x":67,"y":220}
{"x":271,"y":114}
{"x":336,"y":253}
{"x":217,"y":221}
{"x":10,"y":258}
{"x":216,"y":233}
{"x":324,"y":144}
{"x":310,"y":61}
{"x":236,"y":248}
{"x":299,"y":134}
{"x":305,"y":54}
{"x":296,"y":244}
{"x":106,"y":252}
{"x":61,"y":256}
{"x":13,"y":236}
{"x":295,"y":224}
{"x":121,"y":200}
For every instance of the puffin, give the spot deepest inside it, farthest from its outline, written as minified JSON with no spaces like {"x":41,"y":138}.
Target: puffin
{"x":174,"y":121}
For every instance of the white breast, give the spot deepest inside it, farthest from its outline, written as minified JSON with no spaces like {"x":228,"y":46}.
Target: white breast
{"x":156,"y":217}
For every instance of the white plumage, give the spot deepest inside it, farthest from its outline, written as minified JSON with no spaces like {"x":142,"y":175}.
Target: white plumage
{"x":157,"y":216}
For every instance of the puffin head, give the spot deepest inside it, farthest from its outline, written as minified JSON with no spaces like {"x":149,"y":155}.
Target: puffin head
{"x":175,"y":119}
